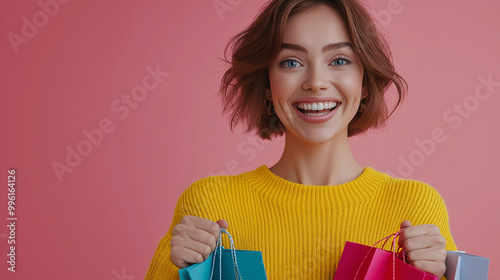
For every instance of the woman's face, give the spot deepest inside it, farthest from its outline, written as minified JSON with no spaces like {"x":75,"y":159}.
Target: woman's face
{"x":316,"y":79}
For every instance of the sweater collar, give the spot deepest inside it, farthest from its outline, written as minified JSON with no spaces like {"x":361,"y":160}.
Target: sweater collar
{"x":270,"y":185}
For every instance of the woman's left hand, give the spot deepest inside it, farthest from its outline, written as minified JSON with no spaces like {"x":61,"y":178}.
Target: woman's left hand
{"x":424,"y":247}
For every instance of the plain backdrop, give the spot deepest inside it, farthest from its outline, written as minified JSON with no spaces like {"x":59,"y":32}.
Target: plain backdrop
{"x":102,"y":148}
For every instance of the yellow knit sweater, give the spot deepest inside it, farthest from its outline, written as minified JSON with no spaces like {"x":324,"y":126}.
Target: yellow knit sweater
{"x":301,"y":229}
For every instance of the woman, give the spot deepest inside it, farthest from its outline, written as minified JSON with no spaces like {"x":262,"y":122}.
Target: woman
{"x":315,"y":71}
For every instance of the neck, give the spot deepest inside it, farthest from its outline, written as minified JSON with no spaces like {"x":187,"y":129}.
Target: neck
{"x":322,"y":164}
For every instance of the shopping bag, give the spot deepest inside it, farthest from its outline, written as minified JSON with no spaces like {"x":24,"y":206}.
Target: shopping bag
{"x":462,"y":266}
{"x":402,"y":270}
{"x":361,"y":262}
{"x":227,"y":264}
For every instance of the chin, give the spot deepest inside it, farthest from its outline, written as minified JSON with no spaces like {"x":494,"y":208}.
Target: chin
{"x":321,"y":136}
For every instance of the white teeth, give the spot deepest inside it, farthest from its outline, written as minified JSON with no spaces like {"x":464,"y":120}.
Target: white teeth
{"x":317,"y":106}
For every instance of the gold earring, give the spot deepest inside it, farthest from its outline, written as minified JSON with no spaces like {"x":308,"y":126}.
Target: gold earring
{"x":362,"y":105}
{"x":269,"y":107}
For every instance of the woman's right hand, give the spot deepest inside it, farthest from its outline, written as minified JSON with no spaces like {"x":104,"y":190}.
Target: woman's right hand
{"x":194,"y":240}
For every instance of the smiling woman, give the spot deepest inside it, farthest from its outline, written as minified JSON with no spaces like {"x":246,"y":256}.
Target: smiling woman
{"x":326,"y":69}
{"x":257,"y":49}
{"x":320,"y":70}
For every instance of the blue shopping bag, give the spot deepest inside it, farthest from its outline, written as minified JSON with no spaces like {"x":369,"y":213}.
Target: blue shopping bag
{"x":462,"y":266}
{"x":227,"y":264}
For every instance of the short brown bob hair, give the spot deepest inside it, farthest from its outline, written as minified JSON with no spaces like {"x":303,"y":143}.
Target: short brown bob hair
{"x":243,"y":86}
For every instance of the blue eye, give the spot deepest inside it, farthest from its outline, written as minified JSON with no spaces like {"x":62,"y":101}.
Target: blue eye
{"x":289,"y":63}
{"x":341,"y":61}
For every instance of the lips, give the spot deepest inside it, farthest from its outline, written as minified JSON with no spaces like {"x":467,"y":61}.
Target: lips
{"x":313,"y":99}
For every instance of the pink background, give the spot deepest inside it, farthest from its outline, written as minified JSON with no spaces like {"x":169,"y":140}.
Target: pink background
{"x":105,"y":218}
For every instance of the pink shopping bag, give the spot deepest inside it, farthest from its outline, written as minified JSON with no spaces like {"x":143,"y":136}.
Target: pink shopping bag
{"x":361,"y":262}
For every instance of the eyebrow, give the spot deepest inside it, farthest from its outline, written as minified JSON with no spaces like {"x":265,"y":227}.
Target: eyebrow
{"x":333,"y":46}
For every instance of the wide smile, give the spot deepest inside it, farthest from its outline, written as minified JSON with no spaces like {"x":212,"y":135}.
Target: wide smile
{"x":316,"y":112}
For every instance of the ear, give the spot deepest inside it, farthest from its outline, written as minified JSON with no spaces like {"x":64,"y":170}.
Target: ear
{"x":364,"y":94}
{"x":268,"y":95}
{"x":364,"y":88}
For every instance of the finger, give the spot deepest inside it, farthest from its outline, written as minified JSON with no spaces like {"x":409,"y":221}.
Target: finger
{"x":223,"y":224}
{"x":189,"y":232}
{"x":428,"y":254}
{"x":203,"y":224}
{"x":419,"y":230}
{"x":183,"y":257}
{"x":202,"y":236}
{"x":424,"y":242}
{"x":405,"y":224}
{"x":189,"y":244}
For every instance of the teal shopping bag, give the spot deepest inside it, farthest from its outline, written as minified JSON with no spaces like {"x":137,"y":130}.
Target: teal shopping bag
{"x":227,"y":264}
{"x":197,"y":271}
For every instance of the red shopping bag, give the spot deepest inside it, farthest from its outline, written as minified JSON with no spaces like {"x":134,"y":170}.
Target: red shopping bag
{"x":361,"y":262}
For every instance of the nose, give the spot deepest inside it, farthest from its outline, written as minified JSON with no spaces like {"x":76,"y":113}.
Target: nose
{"x":317,"y":79}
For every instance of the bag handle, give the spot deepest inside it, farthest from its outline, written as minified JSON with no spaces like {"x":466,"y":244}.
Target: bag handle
{"x":393,"y":249}
{"x":219,"y":247}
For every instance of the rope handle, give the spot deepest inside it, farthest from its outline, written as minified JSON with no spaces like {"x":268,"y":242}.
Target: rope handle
{"x":393,"y":249}
{"x":219,"y":247}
